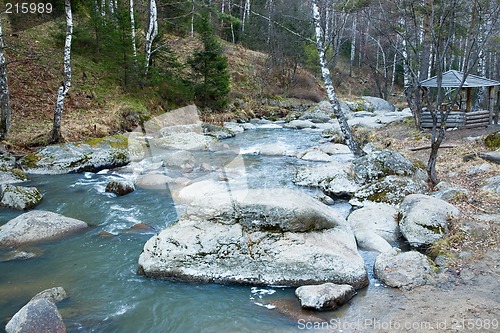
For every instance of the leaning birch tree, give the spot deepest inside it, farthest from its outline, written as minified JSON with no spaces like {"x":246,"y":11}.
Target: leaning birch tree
{"x":56,"y":135}
{"x":332,"y":96}
{"x":4,"y":91}
{"x":151,"y":33}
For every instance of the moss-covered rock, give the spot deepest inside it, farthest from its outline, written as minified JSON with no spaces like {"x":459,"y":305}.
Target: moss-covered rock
{"x":493,"y":140}
{"x":92,"y":155}
{"x":19,"y":197}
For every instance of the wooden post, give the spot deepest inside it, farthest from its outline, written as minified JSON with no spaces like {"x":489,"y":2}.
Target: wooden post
{"x":462,"y":100}
{"x":469,"y":100}
{"x":491,"y":102}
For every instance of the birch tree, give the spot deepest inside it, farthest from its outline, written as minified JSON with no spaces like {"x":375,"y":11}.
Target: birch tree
{"x":151,"y":33}
{"x":56,"y":135}
{"x":132,"y":32}
{"x":4,"y":91}
{"x":332,"y":96}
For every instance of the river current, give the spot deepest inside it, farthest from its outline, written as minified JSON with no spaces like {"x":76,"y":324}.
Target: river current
{"x":97,"y":267}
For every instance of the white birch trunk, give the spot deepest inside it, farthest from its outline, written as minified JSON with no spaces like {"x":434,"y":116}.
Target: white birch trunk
{"x":56,"y":135}
{"x":246,"y":14}
{"x":192,"y":18}
{"x":151,"y":33}
{"x":325,"y":73}
{"x":353,"y":44}
{"x":132,"y":32}
{"x":103,"y":8}
{"x":4,"y":91}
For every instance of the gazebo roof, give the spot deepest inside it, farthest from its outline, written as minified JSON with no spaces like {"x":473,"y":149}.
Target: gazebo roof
{"x":453,"y":79}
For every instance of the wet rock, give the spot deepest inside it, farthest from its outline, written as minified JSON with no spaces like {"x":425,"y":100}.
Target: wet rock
{"x":218,"y":132}
{"x":425,"y":219}
{"x":19,"y":197}
{"x":300,"y":124}
{"x":492,"y":185}
{"x":55,"y":295}
{"x":404,"y":270}
{"x":276,"y":149}
{"x":374,"y":226}
{"x":141,"y":227}
{"x":238,"y":128}
{"x":266,"y":236}
{"x":93,"y":155}
{"x":334,"y":179}
{"x":16,"y":255}
{"x":391,"y":190}
{"x":153,"y":181}
{"x":40,"y":315}
{"x":327,"y":296}
{"x":12,"y":176}
{"x":180,"y":159}
{"x":120,"y":187}
{"x":383,"y":163}
{"x":315,"y":155}
{"x":37,"y":225}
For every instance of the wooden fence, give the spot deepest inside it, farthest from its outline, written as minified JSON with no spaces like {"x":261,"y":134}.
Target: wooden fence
{"x":459,"y":119}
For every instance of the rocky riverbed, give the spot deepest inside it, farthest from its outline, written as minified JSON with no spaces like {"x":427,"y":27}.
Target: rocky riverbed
{"x":286,"y":206}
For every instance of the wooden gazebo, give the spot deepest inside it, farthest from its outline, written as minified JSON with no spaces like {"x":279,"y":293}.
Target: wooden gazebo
{"x":462,"y":115}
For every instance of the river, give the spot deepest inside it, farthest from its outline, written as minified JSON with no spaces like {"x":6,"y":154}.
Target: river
{"x":97,"y":267}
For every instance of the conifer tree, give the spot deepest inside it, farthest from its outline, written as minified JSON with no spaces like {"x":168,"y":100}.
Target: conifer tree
{"x":210,"y":69}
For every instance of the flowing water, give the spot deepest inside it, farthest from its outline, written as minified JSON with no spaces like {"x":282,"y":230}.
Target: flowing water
{"x":97,"y":267}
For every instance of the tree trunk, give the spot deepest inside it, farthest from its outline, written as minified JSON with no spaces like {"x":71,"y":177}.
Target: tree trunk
{"x":132,"y":32}
{"x":150,"y":33}
{"x":4,"y":91}
{"x":344,"y":126}
{"x":56,"y":135}
{"x":353,"y":44}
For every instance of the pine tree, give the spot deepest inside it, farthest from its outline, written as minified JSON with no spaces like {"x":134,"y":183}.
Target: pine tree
{"x":210,"y":68}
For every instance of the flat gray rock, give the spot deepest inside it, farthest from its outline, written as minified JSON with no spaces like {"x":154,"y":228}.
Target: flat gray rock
{"x":36,"y":226}
{"x":327,"y":296}
{"x":261,"y":237}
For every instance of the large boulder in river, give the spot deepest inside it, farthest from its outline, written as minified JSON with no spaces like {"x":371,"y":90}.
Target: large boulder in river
{"x":403,"y":270}
{"x":93,"y":155}
{"x":120,"y":187}
{"x":40,"y":314}
{"x":37,"y":225}
{"x":425,"y":219}
{"x":259,"y":236}
{"x":19,"y":197}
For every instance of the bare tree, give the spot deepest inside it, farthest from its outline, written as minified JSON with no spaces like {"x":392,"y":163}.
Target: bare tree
{"x":56,"y":135}
{"x":4,"y":91}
